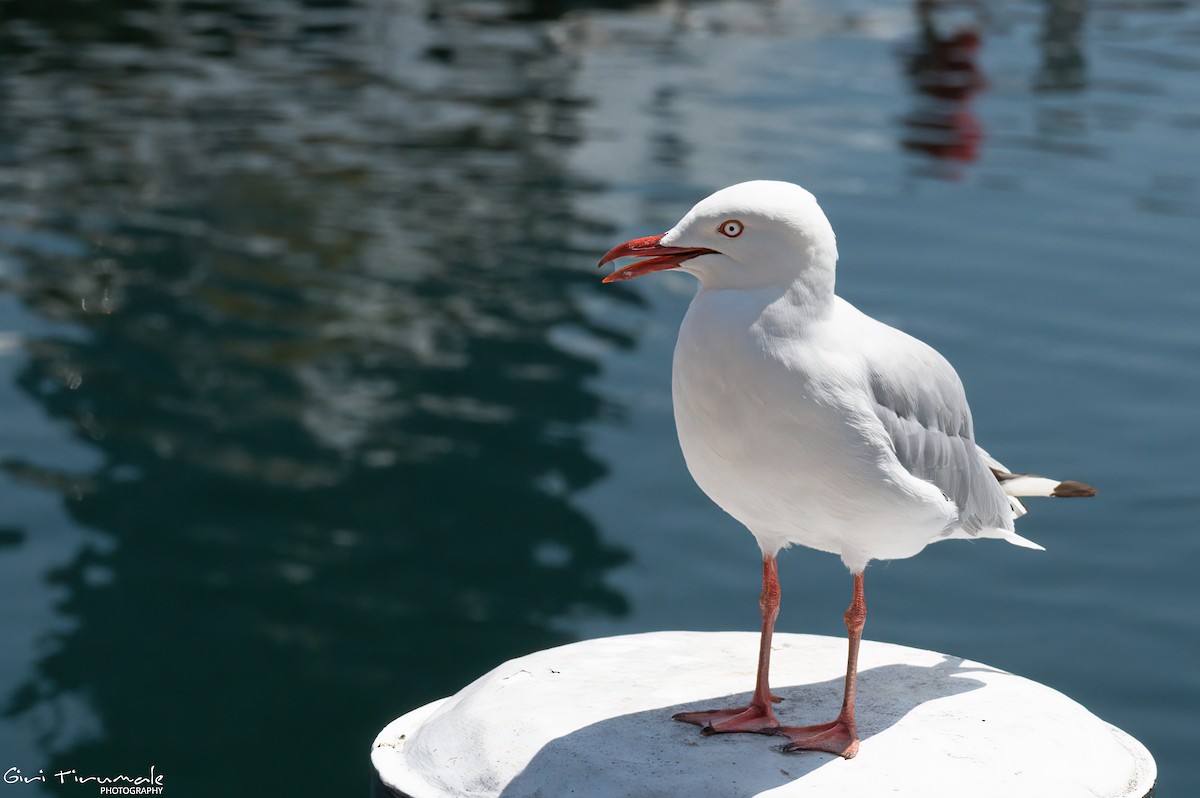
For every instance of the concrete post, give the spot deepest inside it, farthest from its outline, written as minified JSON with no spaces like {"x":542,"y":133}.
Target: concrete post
{"x":593,"y":719}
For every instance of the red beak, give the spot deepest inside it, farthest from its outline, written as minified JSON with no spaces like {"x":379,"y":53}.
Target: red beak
{"x":657,"y":257}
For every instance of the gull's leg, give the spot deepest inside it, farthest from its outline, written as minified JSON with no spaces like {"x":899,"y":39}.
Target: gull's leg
{"x":757,"y":717}
{"x":839,"y":736}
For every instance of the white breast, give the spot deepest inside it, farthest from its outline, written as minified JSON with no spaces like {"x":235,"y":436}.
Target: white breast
{"x":768,"y":425}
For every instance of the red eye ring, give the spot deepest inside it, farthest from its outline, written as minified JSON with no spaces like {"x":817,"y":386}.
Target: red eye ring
{"x":731,"y":228}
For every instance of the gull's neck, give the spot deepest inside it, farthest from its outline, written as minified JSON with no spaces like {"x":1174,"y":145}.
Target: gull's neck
{"x":812,"y":291}
{"x":806,"y":292}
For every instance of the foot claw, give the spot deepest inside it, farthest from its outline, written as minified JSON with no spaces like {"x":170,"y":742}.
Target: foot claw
{"x":838,"y":737}
{"x":751,"y":719}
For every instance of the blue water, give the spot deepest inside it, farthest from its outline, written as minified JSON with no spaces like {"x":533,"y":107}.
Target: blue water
{"x":313,"y":408}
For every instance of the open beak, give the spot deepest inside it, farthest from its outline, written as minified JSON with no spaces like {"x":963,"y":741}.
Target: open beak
{"x":657,"y":257}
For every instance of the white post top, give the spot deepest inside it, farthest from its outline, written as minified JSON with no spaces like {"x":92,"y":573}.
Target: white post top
{"x":593,"y":719}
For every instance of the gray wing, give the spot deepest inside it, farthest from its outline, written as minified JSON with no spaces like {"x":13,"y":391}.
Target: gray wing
{"x":921,"y":402}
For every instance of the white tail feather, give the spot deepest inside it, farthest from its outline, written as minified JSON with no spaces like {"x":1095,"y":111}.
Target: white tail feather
{"x":1006,"y":535}
{"x":1015,"y":485}
{"x":1025,"y":543}
{"x":1029,"y":486}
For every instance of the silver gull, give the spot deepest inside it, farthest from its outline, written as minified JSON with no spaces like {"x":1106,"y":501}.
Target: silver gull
{"x":812,"y":423}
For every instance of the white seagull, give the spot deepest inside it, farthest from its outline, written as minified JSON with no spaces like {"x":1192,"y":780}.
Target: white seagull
{"x":812,"y":423}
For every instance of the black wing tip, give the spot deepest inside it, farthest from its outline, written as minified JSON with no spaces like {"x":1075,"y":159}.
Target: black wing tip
{"x":1072,"y":490}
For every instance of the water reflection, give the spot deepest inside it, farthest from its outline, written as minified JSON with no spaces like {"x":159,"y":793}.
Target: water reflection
{"x":316,"y":286}
{"x":1064,"y":66}
{"x":943,"y":69}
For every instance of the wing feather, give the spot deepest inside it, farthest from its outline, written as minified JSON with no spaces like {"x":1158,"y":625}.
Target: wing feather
{"x":921,"y":403}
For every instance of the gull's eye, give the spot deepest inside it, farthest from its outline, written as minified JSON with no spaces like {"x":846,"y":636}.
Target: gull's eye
{"x":731,"y":228}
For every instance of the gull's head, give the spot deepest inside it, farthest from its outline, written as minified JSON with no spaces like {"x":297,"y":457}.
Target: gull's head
{"x":760,"y":233}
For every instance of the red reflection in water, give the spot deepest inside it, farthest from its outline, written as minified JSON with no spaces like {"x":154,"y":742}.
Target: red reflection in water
{"x":944,"y":70}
